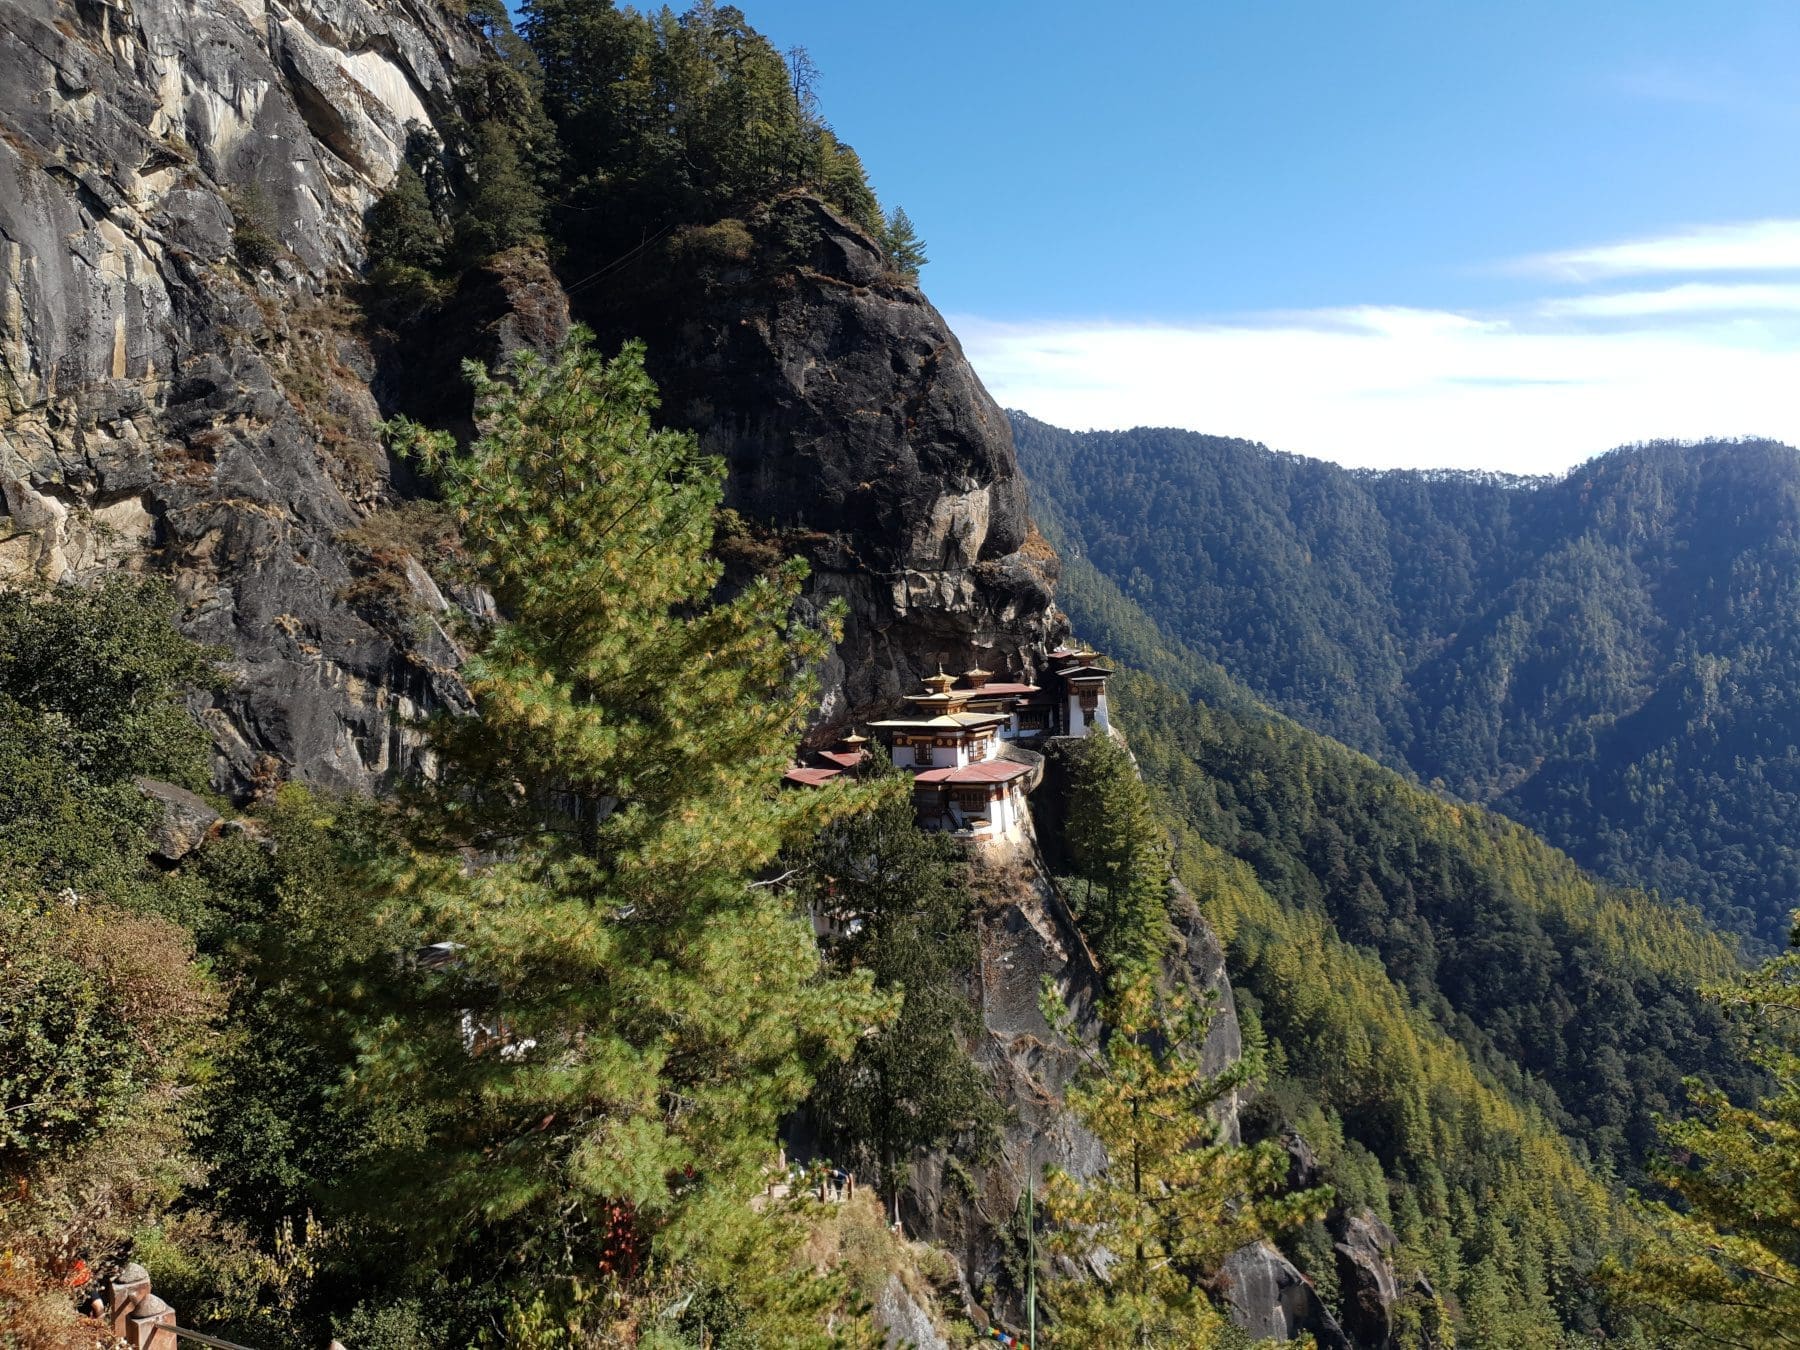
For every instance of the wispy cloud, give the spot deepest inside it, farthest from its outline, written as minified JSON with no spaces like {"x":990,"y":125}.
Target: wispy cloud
{"x":1743,"y":93}
{"x":1692,"y":297}
{"x":1534,"y":386}
{"x":1385,"y":387}
{"x":1753,"y":246}
{"x":1675,"y":84}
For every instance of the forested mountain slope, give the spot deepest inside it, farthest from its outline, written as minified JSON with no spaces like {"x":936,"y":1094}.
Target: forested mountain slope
{"x":1474,"y":1034}
{"x":1610,"y":657}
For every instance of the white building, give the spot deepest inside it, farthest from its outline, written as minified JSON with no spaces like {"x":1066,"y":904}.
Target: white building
{"x":958,"y":743}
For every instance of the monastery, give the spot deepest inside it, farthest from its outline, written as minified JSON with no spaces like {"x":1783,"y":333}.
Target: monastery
{"x":967,"y":745}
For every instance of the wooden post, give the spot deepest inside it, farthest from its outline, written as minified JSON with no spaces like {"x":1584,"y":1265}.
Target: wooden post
{"x":1030,"y":1264}
{"x":138,"y":1317}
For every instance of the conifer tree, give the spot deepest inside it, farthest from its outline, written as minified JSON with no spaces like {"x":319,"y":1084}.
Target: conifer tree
{"x":1176,"y":1196}
{"x":1724,"y":1268}
{"x":1120,"y":851}
{"x":604,"y":1052}
{"x":901,"y":241}
{"x":903,"y":896}
{"x":403,"y":230}
{"x":505,"y":207}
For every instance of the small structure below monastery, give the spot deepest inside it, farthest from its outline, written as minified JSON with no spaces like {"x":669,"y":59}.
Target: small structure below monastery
{"x":966,"y":744}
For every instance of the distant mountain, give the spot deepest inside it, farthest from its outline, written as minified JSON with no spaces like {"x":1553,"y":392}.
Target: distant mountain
{"x":1611,"y":657}
{"x":1473,"y":1036}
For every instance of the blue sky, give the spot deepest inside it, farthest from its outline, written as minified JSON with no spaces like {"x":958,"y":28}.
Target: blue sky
{"x":1506,"y":235}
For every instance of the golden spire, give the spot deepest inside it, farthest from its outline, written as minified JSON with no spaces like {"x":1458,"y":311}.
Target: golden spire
{"x":940,"y":683}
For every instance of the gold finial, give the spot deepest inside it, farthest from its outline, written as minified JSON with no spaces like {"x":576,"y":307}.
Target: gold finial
{"x":939,"y":683}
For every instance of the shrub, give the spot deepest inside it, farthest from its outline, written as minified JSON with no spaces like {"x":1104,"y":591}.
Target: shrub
{"x":253,"y":230}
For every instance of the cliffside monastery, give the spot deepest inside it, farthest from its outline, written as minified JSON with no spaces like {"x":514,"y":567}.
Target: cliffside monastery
{"x":967,"y":745}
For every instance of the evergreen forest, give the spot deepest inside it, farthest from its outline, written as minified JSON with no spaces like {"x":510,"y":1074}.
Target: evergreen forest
{"x":1479,"y":1039}
{"x":1481,"y":785}
{"x":1606,"y":657}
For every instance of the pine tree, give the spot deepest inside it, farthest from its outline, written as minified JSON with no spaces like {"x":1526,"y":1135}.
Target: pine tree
{"x":1121,"y":855}
{"x":1176,"y":1196}
{"x":505,"y":207}
{"x":903,"y":896}
{"x":624,"y":1016}
{"x":1724,"y":1268}
{"x":403,"y":230}
{"x":900,"y":240}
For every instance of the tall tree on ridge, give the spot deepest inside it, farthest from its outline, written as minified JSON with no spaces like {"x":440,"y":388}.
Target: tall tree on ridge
{"x":1176,"y":1196}
{"x":1725,"y":1268}
{"x":905,"y":897}
{"x":625,"y":1015}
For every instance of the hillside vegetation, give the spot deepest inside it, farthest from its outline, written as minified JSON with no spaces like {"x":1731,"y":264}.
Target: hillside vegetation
{"x":1476,"y":1035}
{"x":1611,"y":657}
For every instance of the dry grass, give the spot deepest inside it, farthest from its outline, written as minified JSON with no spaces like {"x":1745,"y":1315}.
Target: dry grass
{"x":854,"y":1241}
{"x":1036,"y":547}
{"x":37,"y":1310}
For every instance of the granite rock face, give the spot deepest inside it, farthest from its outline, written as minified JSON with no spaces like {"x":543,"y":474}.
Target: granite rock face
{"x":1028,"y":936}
{"x":1365,"y":1249}
{"x":182,"y":386}
{"x":903,"y":1322}
{"x":1271,"y":1300}
{"x":856,"y":433}
{"x":186,"y":387}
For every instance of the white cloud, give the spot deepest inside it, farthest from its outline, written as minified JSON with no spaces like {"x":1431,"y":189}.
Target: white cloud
{"x":1751,"y":246}
{"x":1384,"y":387}
{"x":1692,"y":297}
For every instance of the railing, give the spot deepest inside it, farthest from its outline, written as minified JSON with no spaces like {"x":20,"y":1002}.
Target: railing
{"x":188,"y":1333}
{"x":142,"y":1321}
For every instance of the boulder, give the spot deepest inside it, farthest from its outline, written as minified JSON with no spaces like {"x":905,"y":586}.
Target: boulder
{"x":186,"y":822}
{"x":1271,"y":1300}
{"x":1369,"y":1289}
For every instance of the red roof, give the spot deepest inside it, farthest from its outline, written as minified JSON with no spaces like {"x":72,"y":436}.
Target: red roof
{"x":1001,"y":691}
{"x":811,"y":777}
{"x":988,"y":771}
{"x":844,"y":759}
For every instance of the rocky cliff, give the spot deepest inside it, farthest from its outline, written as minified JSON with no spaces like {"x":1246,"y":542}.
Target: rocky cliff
{"x":857,"y":434}
{"x":184,"y":384}
{"x":188,"y":386}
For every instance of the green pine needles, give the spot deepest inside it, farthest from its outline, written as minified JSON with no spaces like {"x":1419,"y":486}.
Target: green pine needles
{"x":1723,"y":1268}
{"x":625,"y":1015}
{"x":1177,"y":1195}
{"x":1120,"y":851}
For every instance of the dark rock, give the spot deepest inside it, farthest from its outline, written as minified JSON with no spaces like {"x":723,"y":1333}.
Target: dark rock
{"x":1303,"y":1164}
{"x":1026,"y":935}
{"x":1370,"y":1291}
{"x":1271,"y":1300}
{"x":855,"y":428}
{"x":509,"y":303}
{"x":187,"y":821}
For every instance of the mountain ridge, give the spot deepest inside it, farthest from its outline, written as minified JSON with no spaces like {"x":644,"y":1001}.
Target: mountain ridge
{"x":1594,"y":654}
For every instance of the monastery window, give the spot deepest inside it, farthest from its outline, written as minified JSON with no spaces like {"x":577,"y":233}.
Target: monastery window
{"x":921,"y":752}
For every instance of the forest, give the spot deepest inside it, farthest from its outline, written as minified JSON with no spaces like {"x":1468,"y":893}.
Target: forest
{"x":1607,"y":657}
{"x":504,"y":1055}
{"x":1483,"y":1043}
